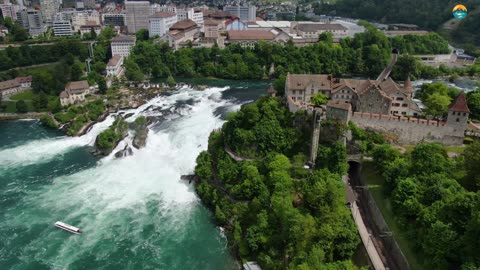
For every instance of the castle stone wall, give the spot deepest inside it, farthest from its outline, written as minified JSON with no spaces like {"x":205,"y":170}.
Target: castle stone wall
{"x":410,"y":131}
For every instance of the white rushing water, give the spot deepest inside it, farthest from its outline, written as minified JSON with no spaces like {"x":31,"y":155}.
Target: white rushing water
{"x":111,"y":200}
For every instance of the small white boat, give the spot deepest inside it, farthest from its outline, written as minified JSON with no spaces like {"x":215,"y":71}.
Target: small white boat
{"x":67,"y":227}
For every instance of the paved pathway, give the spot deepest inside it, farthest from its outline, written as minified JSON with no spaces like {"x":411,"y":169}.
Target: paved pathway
{"x":366,"y":239}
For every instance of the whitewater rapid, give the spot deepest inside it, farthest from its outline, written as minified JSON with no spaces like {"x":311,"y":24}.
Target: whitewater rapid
{"x":112,"y":201}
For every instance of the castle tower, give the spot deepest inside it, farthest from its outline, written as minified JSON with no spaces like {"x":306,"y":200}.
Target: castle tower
{"x":458,"y":113}
{"x":408,"y":88}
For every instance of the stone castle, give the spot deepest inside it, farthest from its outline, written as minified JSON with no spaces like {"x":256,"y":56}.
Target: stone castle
{"x":382,"y":105}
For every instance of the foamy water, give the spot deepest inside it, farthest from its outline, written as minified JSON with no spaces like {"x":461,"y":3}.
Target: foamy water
{"x":114,"y":200}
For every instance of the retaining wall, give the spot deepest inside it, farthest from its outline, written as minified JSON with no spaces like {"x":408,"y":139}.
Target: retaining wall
{"x":410,"y":130}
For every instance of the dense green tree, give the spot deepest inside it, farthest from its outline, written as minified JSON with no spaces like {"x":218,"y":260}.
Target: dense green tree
{"x":142,"y":34}
{"x":171,"y":81}
{"x":473,"y":100}
{"x":437,"y":105}
{"x":102,"y":85}
{"x":76,"y":72}
{"x":319,"y":99}
{"x":21,"y":106}
{"x":472,"y":161}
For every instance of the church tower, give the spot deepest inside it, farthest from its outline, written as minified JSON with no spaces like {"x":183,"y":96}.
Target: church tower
{"x":458,"y":113}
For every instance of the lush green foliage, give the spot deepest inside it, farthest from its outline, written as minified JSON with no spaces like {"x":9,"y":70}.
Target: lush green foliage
{"x":77,"y":116}
{"x":31,"y":55}
{"x":473,"y":100}
{"x":438,"y":213}
{"x":274,"y":211}
{"x":21,"y":106}
{"x":319,"y":99}
{"x":366,"y":53}
{"x":436,"y":97}
{"x":47,"y":121}
{"x":108,"y":139}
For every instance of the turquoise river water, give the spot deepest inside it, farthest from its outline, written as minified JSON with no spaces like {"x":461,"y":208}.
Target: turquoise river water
{"x":135,"y":212}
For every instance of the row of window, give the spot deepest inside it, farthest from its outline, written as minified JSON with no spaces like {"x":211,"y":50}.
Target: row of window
{"x":459,"y":113}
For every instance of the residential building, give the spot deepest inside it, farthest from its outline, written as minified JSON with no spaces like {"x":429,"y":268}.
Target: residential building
{"x":211,"y":28}
{"x":84,"y":29}
{"x":313,"y":30}
{"x":248,"y":38}
{"x":245,"y":13}
{"x":85,"y":18}
{"x":32,"y":20}
{"x":137,"y":13}
{"x":190,"y":14}
{"x":458,"y":112}
{"x":8,"y":10}
{"x":74,"y":93}
{"x":121,"y":45}
{"x":89,"y":4}
{"x":168,"y":8}
{"x":17,"y":85}
{"x":25,"y":82}
{"x":114,"y":19}
{"x":114,"y":66}
{"x":49,"y":8}
{"x":160,"y":23}
{"x":61,"y":27}
{"x":181,"y":33}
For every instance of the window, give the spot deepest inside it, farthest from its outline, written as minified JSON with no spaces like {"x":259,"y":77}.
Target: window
{"x":311,"y":92}
{"x":299,"y":98}
{"x":458,"y":119}
{"x":405,"y":105}
{"x":404,"y":113}
{"x":399,"y":98}
{"x":464,"y":114}
{"x":294,"y":92}
{"x":453,"y":113}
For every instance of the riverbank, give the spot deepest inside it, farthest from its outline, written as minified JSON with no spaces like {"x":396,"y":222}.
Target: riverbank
{"x":20,"y":116}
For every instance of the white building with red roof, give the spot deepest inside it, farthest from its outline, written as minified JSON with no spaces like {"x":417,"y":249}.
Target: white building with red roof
{"x":75,"y":92}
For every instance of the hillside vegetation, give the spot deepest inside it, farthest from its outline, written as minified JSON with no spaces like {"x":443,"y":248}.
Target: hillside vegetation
{"x":275,"y":211}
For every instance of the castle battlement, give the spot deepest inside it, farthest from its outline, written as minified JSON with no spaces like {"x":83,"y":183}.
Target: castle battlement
{"x":400,"y":119}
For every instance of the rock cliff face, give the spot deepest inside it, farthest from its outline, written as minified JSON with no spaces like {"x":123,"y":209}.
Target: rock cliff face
{"x":126,"y":151}
{"x":141,"y":132}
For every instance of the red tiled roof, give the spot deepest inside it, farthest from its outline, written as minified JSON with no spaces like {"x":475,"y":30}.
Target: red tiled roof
{"x":459,"y":104}
{"x":114,"y":60}
{"x":24,"y":79}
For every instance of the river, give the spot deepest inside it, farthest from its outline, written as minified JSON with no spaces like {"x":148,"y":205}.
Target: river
{"x":135,"y":212}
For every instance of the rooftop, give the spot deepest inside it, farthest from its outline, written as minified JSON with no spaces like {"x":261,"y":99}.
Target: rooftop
{"x":339,"y":105}
{"x":124,"y":39}
{"x":234,"y":35}
{"x":183,"y":25}
{"x":114,"y":60}
{"x":314,"y":27}
{"x":77,"y":85}
{"x":163,"y":15}
{"x":9,"y":84}
{"x":459,"y":104}
{"x":300,"y":81}
{"x":211,"y":22}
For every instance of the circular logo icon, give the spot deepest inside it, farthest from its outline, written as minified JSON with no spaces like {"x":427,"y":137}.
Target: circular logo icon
{"x":459,"y":12}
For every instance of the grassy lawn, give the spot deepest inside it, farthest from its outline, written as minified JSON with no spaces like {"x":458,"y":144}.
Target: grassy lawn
{"x":25,"y":95}
{"x":375,"y":183}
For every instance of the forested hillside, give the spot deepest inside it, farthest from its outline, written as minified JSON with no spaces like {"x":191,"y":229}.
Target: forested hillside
{"x":435,"y":199}
{"x":426,"y":14}
{"x":275,"y":211}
